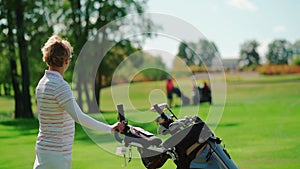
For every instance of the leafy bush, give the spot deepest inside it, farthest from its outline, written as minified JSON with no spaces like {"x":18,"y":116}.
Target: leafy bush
{"x":296,"y":61}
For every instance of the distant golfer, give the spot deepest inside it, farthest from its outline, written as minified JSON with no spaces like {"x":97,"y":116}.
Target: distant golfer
{"x":171,"y":89}
{"x":57,"y":110}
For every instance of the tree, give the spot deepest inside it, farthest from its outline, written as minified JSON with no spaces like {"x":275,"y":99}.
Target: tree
{"x":143,"y":67}
{"x":296,"y":53}
{"x":26,"y":26}
{"x":296,"y":49}
{"x":113,"y":59}
{"x":5,"y":80}
{"x":207,"y":51}
{"x":248,"y":53}
{"x":22,"y":45}
{"x":186,"y":52}
{"x":197,"y":53}
{"x":85,"y":18}
{"x":154,"y":69}
{"x":279,"y":52}
{"x":13,"y":40}
{"x":38,"y":30}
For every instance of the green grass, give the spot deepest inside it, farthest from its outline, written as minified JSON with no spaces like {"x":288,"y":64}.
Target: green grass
{"x":259,"y":126}
{"x":6,"y":107}
{"x":266,"y":124}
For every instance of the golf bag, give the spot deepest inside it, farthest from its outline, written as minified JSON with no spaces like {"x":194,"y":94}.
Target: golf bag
{"x":192,"y":145}
{"x":201,"y":95}
{"x":184,"y":100}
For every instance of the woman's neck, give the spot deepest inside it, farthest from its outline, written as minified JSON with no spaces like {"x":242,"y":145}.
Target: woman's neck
{"x":58,"y":69}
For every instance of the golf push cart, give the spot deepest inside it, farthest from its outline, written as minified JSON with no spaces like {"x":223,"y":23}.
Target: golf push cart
{"x":191,"y":145}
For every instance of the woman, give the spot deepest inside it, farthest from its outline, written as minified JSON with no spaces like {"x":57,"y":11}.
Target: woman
{"x":57,"y":110}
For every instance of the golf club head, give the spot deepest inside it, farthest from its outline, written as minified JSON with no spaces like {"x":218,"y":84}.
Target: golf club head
{"x":162,"y":106}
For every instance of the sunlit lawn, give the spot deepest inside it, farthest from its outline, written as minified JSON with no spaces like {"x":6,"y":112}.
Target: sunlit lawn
{"x":259,"y":126}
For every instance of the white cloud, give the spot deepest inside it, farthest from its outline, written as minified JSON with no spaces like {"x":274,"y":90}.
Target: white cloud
{"x":279,"y":29}
{"x":242,"y":4}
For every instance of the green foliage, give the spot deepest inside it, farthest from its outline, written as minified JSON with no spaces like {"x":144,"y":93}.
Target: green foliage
{"x":86,"y":21}
{"x":296,"y":61}
{"x":14,"y":42}
{"x":153,"y":68}
{"x":5,"y":79}
{"x":157,"y":73}
{"x":180,"y":68}
{"x":95,"y":15}
{"x":296,"y":48}
{"x":186,"y":53}
{"x":4,"y":73}
{"x":140,"y":66}
{"x":197,"y":53}
{"x":78,"y":21}
{"x":38,"y":30}
{"x":248,"y":54}
{"x":207,"y":51}
{"x":115,"y":56}
{"x":279,"y":52}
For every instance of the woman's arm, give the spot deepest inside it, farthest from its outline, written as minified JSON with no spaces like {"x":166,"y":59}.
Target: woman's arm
{"x":76,"y":113}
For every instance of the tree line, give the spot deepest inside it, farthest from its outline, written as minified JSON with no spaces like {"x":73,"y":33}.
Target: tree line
{"x":280,"y":51}
{"x":26,"y":25}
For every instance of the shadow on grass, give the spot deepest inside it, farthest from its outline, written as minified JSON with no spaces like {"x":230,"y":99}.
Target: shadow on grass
{"x":25,"y":127}
{"x":21,"y":123}
{"x":29,"y":127}
{"x":224,"y":125}
{"x":21,"y":127}
{"x":229,"y":125}
{"x":10,"y":128}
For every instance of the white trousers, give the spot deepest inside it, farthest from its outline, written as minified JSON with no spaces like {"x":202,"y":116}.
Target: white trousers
{"x":52,"y":160}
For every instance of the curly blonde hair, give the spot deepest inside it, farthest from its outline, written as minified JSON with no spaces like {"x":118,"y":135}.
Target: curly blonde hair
{"x":56,"y":50}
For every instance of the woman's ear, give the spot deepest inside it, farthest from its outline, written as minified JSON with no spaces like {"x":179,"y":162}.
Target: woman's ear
{"x":67,"y":61}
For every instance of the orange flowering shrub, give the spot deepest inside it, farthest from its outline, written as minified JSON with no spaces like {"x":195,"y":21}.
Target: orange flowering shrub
{"x":278,"y":69}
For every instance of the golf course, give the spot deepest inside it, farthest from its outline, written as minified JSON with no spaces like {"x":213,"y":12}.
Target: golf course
{"x":259,"y":126}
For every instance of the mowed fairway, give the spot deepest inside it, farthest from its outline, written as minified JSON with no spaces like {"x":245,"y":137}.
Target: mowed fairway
{"x":259,"y":127}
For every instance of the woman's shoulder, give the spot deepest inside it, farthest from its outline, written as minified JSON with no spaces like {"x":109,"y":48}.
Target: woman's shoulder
{"x":53,"y":81}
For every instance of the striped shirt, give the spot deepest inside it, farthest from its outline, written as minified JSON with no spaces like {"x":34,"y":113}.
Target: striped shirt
{"x":56,"y":126}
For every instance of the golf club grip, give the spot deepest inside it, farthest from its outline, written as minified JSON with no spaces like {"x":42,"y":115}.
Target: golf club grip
{"x":160,"y":112}
{"x":121,"y":116}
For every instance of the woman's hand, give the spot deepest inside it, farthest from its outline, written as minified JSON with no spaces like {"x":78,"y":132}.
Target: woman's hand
{"x":119,"y":127}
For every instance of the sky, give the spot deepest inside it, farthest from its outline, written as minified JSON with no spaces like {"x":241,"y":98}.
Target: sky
{"x":229,"y":23}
